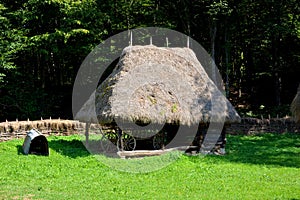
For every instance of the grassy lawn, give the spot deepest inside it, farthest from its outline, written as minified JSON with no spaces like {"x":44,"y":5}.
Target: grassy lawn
{"x":256,"y":167}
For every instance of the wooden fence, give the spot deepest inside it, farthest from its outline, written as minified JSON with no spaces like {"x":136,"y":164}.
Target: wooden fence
{"x":271,"y":125}
{"x":18,"y":129}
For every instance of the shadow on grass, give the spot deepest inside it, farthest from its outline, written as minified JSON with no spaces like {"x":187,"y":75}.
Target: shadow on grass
{"x":66,"y":146}
{"x":72,"y":148}
{"x":20,"y":150}
{"x":266,"y":149}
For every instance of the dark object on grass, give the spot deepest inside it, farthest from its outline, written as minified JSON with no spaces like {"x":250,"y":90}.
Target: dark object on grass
{"x":295,"y":106}
{"x":35,"y":143}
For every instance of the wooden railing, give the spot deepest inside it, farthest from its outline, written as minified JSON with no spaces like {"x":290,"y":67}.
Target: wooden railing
{"x":19,"y":129}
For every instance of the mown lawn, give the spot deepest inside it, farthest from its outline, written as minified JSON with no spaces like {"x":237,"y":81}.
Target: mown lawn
{"x":264,"y":166}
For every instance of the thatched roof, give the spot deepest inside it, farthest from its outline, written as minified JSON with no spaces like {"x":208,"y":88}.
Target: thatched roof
{"x":158,"y":85}
{"x":295,"y":106}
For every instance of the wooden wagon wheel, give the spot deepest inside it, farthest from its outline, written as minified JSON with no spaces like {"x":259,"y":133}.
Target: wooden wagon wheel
{"x":109,"y":141}
{"x":158,"y":140}
{"x":129,"y":142}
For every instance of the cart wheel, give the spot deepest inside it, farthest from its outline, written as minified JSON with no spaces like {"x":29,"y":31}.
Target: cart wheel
{"x":108,"y":142}
{"x":129,"y":143}
{"x":158,"y":141}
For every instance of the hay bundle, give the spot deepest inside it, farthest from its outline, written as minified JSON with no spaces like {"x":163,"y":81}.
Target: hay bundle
{"x":4,"y":127}
{"x":23,"y":125}
{"x":60,"y":125}
{"x":48,"y":124}
{"x":295,"y":106}
{"x":158,"y":85}
{"x":29,"y":126}
{"x":75,"y":125}
{"x":65,"y":126}
{"x":14,"y":126}
{"x":39,"y":125}
{"x":54,"y":125}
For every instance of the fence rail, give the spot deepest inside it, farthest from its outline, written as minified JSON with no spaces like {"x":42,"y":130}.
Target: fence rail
{"x":270,"y":125}
{"x":18,"y":129}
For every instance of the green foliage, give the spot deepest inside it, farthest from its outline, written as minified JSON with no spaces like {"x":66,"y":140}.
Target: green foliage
{"x":266,"y":111}
{"x":5,"y":58}
{"x":219,"y":9}
{"x":255,"y":166}
{"x":256,"y":44}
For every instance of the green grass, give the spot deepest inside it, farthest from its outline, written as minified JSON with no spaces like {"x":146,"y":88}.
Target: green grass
{"x":256,"y":167}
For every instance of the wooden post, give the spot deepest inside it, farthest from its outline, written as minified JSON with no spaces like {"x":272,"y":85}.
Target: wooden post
{"x":188,"y":42}
{"x":87,"y":125}
{"x":163,"y":140}
{"x":130,"y":38}
{"x":120,"y":134}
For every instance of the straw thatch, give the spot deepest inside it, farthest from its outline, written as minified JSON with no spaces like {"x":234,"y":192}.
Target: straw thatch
{"x":295,"y":106}
{"x":158,"y":85}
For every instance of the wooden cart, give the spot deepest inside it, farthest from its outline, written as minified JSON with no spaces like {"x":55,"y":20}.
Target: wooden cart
{"x":125,"y":141}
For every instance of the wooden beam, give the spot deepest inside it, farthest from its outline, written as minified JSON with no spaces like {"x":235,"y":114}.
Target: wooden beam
{"x":142,"y":153}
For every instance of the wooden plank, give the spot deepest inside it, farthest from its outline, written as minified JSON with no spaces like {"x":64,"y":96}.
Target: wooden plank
{"x":142,"y":153}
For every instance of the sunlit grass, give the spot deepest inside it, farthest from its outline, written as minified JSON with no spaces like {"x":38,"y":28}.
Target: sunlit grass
{"x":264,"y":166}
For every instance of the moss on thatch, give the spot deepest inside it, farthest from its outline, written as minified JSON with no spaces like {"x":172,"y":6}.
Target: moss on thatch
{"x":295,"y":106}
{"x":161,"y":85}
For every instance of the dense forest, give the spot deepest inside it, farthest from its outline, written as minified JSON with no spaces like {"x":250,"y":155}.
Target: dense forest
{"x":255,"y":44}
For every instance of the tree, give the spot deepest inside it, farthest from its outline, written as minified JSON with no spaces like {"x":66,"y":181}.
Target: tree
{"x":255,"y":44}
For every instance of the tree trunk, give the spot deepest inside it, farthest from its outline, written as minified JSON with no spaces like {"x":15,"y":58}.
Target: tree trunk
{"x":213,"y":39}
{"x":277,"y":89}
{"x":227,"y":65}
